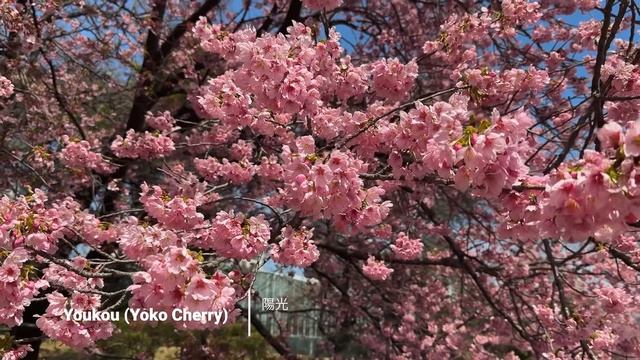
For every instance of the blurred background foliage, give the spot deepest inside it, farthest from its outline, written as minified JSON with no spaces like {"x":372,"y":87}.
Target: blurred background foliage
{"x":163,"y":342}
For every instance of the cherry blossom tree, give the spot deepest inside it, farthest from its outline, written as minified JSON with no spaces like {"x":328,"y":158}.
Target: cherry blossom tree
{"x":463,"y":177}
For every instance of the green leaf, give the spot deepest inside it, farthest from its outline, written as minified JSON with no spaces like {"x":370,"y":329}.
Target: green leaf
{"x":613,"y":174}
{"x":575,"y":168}
{"x":5,"y":342}
{"x":469,"y":130}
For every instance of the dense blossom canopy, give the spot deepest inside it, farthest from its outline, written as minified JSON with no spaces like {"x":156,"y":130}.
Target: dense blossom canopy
{"x":462,"y":176}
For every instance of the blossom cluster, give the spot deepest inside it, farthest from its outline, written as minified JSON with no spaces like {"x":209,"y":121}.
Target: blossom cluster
{"x":486,"y":155}
{"x":406,"y":248}
{"x":6,"y":87}
{"x":174,"y":279}
{"x":54,"y":323}
{"x":235,"y":172}
{"x":28,"y":221}
{"x":177,"y":213}
{"x":275,"y":75}
{"x":139,"y":242}
{"x":162,"y":122}
{"x":322,"y":4}
{"x":330,"y":189}
{"x":78,"y":154}
{"x":580,"y":198}
{"x":392,"y":80}
{"x":142,"y":145}
{"x":296,"y":248}
{"x":16,"y":286}
{"x":235,"y":235}
{"x":376,"y":269}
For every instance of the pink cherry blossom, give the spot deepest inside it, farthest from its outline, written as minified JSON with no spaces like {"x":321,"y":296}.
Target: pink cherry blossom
{"x":393,"y":80}
{"x":322,"y":4}
{"x":405,"y":248}
{"x":632,"y":140}
{"x":80,"y":155}
{"x":376,"y":269}
{"x":144,"y":146}
{"x":173,"y":212}
{"x":483,"y":156}
{"x":6,"y":87}
{"x":162,"y":122}
{"x":296,"y":248}
{"x":72,"y":333}
{"x":17,"y":353}
{"x":237,"y":236}
{"x":610,"y":135}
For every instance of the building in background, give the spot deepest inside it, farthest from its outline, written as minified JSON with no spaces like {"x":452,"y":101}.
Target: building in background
{"x":286,"y":307}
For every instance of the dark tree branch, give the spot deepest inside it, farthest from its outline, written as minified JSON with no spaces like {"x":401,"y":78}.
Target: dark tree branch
{"x":277,"y":345}
{"x":143,"y":99}
{"x":564,"y":303}
{"x":174,"y":37}
{"x":293,"y":14}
